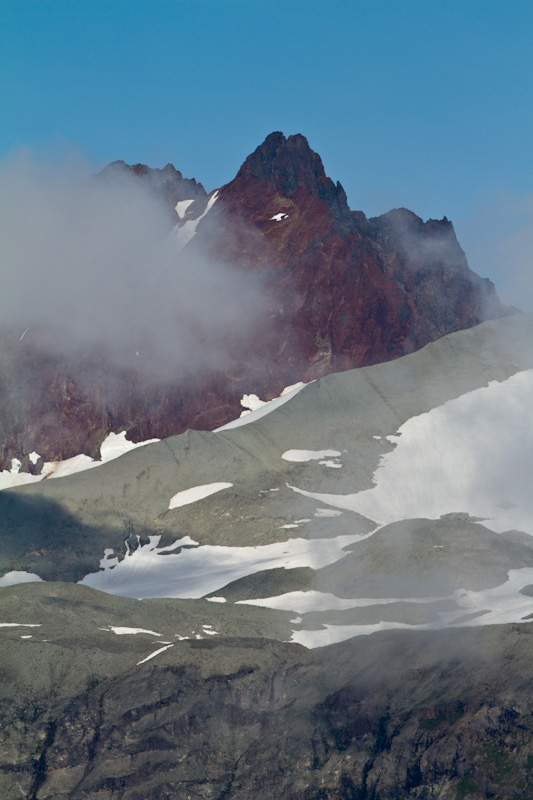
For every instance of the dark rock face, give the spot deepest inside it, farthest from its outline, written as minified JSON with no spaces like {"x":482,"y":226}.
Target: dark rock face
{"x":349,"y":291}
{"x":342,"y":291}
{"x":287,"y":165}
{"x":272,"y":721}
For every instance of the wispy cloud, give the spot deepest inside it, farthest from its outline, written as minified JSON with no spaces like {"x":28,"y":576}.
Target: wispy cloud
{"x":498,"y":239}
{"x":90,"y":262}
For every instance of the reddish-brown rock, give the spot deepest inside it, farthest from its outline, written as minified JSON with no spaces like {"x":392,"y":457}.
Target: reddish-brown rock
{"x":342,"y":291}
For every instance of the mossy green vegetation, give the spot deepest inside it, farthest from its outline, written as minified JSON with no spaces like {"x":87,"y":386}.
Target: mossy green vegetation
{"x":466,"y":786}
{"x":433,"y":723}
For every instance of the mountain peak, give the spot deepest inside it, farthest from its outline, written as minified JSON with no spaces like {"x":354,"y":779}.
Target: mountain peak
{"x":167,"y":183}
{"x":288,"y":164}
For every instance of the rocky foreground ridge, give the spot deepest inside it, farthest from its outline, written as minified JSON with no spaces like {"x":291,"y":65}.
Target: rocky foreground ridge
{"x":393,"y":715}
{"x":340,"y":291}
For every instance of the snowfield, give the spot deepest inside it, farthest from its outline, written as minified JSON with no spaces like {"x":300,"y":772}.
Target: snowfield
{"x":200,"y":570}
{"x":472,"y":455}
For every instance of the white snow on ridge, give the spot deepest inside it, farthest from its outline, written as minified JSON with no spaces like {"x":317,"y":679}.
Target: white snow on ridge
{"x":113,"y":446}
{"x":279,"y":217}
{"x":182,"y":206}
{"x":8,"y":479}
{"x":473,"y":454}
{"x":186,"y":231}
{"x":263,"y":408}
{"x":251,"y":402}
{"x":196,"y":493}
{"x":60,"y":469}
{"x":116,"y":444}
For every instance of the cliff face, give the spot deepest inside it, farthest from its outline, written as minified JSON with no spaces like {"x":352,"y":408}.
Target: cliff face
{"x":354,"y":291}
{"x":250,"y":717}
{"x":342,"y":291}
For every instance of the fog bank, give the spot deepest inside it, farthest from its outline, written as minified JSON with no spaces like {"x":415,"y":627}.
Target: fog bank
{"x":90,"y":262}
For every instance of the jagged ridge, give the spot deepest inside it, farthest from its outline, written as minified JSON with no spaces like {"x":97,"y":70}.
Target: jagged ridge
{"x":342,"y":291}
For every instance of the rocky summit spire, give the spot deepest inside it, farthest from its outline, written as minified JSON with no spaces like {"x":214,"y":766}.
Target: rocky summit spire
{"x":289,"y":164}
{"x":167,"y":183}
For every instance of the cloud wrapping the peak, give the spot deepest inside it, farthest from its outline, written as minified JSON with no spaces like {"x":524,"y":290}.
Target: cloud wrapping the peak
{"x":91,"y":262}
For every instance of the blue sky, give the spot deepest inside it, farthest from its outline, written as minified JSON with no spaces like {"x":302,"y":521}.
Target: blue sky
{"x":426,"y":105}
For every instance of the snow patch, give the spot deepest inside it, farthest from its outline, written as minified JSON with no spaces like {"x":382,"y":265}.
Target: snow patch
{"x":196,"y":572}
{"x":18,"y":576}
{"x":182,"y":206}
{"x":116,"y":444}
{"x":265,"y":408}
{"x":308,"y":455}
{"x":251,"y":402}
{"x":473,"y":454}
{"x":20,"y":624}
{"x":295,"y":524}
{"x":499,"y":605}
{"x":113,"y":446}
{"x":121,"y":631}
{"x":196,"y":493}
{"x":186,"y":230}
{"x":154,"y":654}
{"x":109,"y":560}
{"x":327,"y":512}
